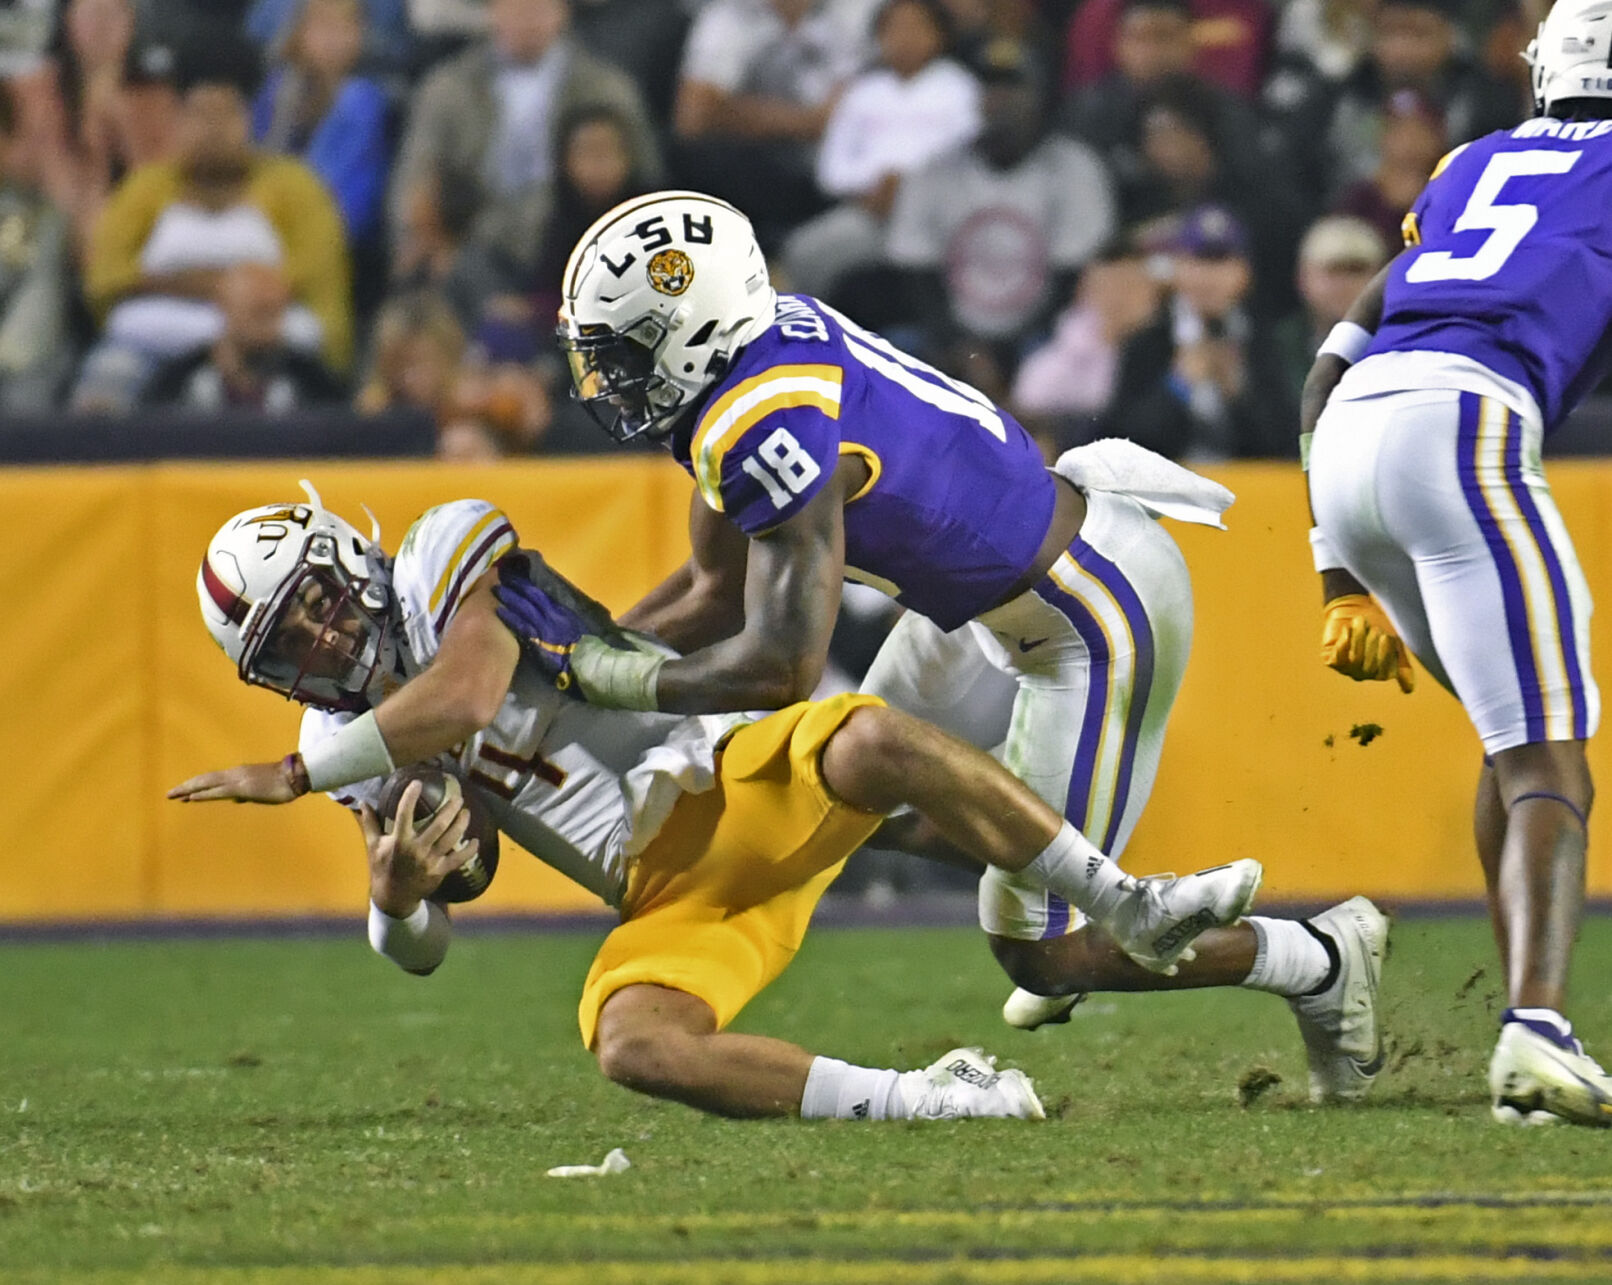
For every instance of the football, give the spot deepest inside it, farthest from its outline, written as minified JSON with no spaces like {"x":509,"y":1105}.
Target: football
{"x":437,"y":786}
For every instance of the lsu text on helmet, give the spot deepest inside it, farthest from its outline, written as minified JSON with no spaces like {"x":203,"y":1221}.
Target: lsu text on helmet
{"x":657,"y":297}
{"x":303,"y":604}
{"x":1571,"y":57}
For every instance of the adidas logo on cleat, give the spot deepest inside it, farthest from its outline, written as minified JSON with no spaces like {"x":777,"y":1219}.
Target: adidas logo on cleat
{"x":1181,"y":930}
{"x":968,"y":1073}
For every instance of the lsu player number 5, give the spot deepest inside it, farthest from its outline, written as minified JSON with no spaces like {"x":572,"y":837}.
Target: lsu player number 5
{"x":1435,"y":531}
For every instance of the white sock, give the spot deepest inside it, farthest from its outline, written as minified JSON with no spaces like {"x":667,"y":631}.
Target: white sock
{"x":836,"y":1090}
{"x":1072,"y":867}
{"x":1290,"y":960}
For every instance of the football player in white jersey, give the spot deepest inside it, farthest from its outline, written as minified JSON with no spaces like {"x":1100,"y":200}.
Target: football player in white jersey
{"x":715,"y":837}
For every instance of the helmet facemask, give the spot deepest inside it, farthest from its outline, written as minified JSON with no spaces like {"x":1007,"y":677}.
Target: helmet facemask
{"x":326,"y":638}
{"x":615,"y":377}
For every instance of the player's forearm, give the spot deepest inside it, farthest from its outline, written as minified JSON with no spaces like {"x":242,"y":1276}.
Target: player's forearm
{"x":748,"y":671}
{"x":435,"y":712}
{"x":685,"y":612}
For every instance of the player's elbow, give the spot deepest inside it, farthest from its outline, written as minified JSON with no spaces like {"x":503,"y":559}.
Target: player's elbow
{"x":785,"y":679}
{"x":470,"y":706}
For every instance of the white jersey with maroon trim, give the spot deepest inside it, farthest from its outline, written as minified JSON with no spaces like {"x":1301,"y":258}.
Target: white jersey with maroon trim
{"x":581,"y":788}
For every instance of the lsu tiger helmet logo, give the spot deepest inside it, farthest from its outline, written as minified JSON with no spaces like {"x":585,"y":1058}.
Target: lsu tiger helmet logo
{"x":670,"y":272}
{"x":657,"y":297}
{"x":1569,"y":58}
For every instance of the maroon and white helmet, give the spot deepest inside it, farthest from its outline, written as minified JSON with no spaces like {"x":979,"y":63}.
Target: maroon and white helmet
{"x":303,"y":604}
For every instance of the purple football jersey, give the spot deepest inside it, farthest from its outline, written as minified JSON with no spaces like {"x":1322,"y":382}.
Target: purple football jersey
{"x":1514,"y":264}
{"x":959,"y":497}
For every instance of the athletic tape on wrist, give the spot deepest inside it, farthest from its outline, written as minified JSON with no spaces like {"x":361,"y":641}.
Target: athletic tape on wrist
{"x":1321,"y":550}
{"x":614,"y":678}
{"x":1346,"y":341}
{"x":356,"y":752}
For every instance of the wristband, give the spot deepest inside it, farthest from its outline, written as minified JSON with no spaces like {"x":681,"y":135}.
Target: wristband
{"x":1346,"y":341}
{"x":1326,"y":557}
{"x":613,"y":678}
{"x":356,"y":752}
{"x":298,"y":772}
{"x":415,"y":944}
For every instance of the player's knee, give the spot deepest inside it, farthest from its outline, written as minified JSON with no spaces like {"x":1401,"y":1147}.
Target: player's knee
{"x":1553,"y":768}
{"x":868,"y":756}
{"x":637,"y":1057}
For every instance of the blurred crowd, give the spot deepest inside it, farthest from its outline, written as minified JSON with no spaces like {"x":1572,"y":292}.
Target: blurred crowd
{"x":1114,"y":216}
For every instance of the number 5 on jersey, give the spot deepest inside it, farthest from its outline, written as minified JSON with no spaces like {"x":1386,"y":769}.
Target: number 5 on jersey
{"x":782,"y":467}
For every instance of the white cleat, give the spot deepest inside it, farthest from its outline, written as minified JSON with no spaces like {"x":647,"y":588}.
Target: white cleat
{"x":1342,"y":1033}
{"x":1158,"y":923}
{"x":1535,"y":1080}
{"x":1029,"y":1011}
{"x":966,"y":1083}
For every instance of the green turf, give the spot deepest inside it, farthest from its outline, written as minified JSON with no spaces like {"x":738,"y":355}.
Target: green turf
{"x":300,"y":1111}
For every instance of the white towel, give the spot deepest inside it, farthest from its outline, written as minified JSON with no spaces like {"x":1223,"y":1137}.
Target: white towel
{"x":1162,"y":487}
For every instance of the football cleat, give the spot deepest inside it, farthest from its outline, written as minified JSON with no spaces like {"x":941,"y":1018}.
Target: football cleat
{"x":1157,"y":924}
{"x":966,"y":1083}
{"x":1029,"y":1011}
{"x":1342,"y":1032}
{"x":1539,"y":1077}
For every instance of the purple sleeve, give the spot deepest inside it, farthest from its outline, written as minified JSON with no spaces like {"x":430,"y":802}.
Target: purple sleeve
{"x":774,"y":468}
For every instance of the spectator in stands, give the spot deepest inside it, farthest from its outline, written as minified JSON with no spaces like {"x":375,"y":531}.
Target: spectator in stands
{"x":25,"y":31}
{"x":1331,"y":133}
{"x":1325,"y":38}
{"x":517,"y":323}
{"x":1153,"y":51}
{"x":481,"y":146}
{"x":171,"y":228}
{"x":33,"y":275}
{"x":249,"y":365}
{"x":1203,"y":382}
{"x":915,"y":106}
{"x":420,"y":359}
{"x":642,"y":37}
{"x":1412,"y":142}
{"x":991,"y":236}
{"x":1182,"y":163}
{"x":1064,"y":385}
{"x":387,"y":44}
{"x":312,"y":105}
{"x":105,"y":104}
{"x":1337,"y":257}
{"x":758,"y":82}
{"x":1228,"y":42}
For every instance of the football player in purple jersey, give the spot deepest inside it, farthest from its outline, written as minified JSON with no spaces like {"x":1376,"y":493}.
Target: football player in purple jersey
{"x":820,"y":452}
{"x":1435,"y":532}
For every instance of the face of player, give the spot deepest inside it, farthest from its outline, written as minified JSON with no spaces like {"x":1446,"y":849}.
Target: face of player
{"x":1152,"y":44}
{"x":321,"y":648}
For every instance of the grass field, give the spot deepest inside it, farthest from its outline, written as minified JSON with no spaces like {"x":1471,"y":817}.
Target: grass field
{"x":299,"y":1111}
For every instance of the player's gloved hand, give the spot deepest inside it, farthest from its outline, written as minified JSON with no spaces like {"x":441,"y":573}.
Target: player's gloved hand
{"x":548,"y":630}
{"x":1358,"y":640}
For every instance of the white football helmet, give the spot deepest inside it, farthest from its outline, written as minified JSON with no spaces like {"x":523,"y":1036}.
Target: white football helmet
{"x":657,"y":297}
{"x":1571,"y":57}
{"x":303,"y":604}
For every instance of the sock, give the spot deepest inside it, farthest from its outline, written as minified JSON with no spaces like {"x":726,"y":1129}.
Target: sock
{"x":836,"y":1090}
{"x":1292,"y":958}
{"x":1546,"y":1022}
{"x":1072,"y":867}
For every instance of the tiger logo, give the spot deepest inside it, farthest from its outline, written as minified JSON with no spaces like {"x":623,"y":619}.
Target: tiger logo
{"x":670,"y":272}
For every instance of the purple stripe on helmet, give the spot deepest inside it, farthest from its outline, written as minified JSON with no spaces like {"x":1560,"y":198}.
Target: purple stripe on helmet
{"x":1522,"y":651}
{"x":1130,"y":605}
{"x":1553,"y":566}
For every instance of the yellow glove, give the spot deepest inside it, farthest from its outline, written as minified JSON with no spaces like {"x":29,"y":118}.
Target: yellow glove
{"x":1357,"y":640}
